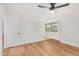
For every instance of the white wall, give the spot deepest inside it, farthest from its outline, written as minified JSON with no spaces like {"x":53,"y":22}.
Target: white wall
{"x":1,"y":9}
{"x":68,"y":18}
{"x":25,"y":19}
{"x":29,"y":20}
{"x":48,"y":18}
{"x":69,"y":24}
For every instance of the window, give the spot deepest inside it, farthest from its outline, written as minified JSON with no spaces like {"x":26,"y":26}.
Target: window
{"x":51,"y":27}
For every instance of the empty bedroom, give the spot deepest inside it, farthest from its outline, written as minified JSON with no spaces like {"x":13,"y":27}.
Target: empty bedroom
{"x":39,"y":29}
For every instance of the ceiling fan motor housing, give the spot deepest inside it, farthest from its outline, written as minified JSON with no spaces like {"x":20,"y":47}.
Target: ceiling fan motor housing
{"x":52,"y":6}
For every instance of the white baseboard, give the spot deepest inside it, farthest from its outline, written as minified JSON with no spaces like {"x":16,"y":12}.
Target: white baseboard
{"x":25,"y":43}
{"x":70,"y":44}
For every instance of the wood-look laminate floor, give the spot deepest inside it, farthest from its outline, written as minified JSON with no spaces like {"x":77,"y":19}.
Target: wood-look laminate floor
{"x":48,"y":47}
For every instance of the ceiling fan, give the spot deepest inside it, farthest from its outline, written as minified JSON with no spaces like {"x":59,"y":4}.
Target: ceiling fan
{"x":53,"y":6}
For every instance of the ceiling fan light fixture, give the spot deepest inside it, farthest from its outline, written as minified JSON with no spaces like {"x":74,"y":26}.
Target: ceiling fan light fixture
{"x":52,"y":11}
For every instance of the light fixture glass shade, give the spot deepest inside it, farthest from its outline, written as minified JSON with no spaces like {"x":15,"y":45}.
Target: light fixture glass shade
{"x":52,"y":11}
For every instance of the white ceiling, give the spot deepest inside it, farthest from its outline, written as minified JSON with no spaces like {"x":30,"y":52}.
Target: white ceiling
{"x":26,"y":8}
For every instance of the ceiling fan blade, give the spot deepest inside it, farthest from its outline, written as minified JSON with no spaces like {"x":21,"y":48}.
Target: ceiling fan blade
{"x":62,"y":5}
{"x":42,"y":6}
